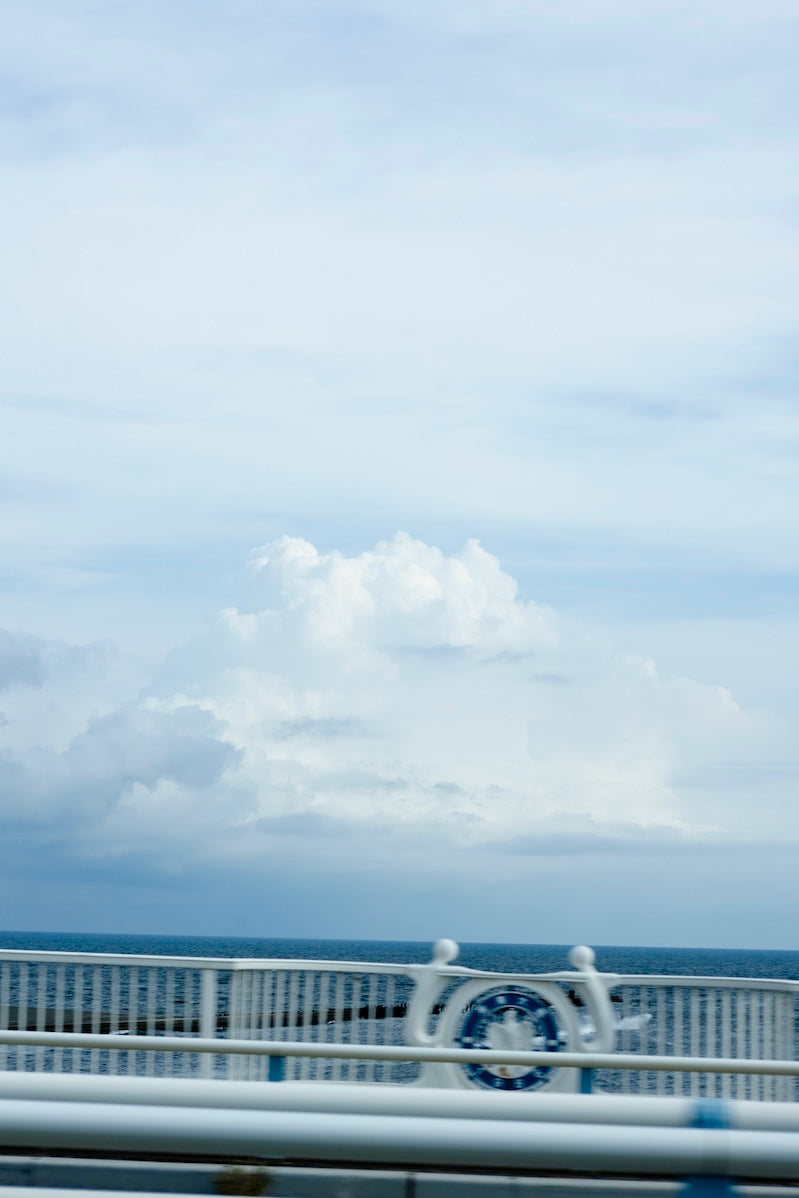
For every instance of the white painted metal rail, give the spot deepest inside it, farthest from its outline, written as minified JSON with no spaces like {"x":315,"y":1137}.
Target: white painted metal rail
{"x":372,"y":1126}
{"x":708,"y":1017}
{"x":211,"y":998}
{"x":331,"y":1021}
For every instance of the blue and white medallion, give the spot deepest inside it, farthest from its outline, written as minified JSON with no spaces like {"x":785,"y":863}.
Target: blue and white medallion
{"x":510,"y":1019}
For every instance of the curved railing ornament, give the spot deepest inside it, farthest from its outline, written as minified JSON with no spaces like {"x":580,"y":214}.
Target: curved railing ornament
{"x":519,"y":1014}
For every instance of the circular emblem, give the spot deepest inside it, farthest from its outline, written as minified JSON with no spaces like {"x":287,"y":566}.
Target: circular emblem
{"x":510,"y":1019}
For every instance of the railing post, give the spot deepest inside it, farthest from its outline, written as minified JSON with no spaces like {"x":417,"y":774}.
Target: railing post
{"x":208,"y":1016}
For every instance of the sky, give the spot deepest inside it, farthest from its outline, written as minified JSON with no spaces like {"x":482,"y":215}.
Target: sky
{"x":399,"y":412}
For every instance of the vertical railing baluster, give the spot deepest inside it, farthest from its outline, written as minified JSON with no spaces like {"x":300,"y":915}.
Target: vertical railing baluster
{"x":622,"y":1038}
{"x":58,"y":1014}
{"x":78,"y":1056}
{"x":114,"y":1001}
{"x":695,"y":1028}
{"x":754,"y":1037}
{"x":264,"y":1000}
{"x":209,"y":997}
{"x":232,"y":1064}
{"x":339,"y":1066}
{"x":5,"y":1003}
{"x":275,"y":1000}
{"x":750,"y":1048}
{"x":645,"y":1034}
{"x":739,"y":1089}
{"x":726,"y":1039}
{"x":192,"y":1010}
{"x":5,"y":972}
{"x":171,"y":1058}
{"x":634,"y":1009}
{"x":96,"y":1012}
{"x":371,"y":1022}
{"x":712,"y":997}
{"x":783,"y":1017}
{"x":350,"y":1068}
{"x":150,"y":1007}
{"x":789,"y":1022}
{"x":677,"y":1032}
{"x":773,"y":1035}
{"x":22,"y":1009}
{"x":661,"y":1034}
{"x":133,"y":1015}
{"x":321,"y":1027}
{"x":358,"y":1030}
{"x":291,"y":1020}
{"x":279,"y":1012}
{"x":780,"y":1044}
{"x":760,"y":1038}
{"x":182,"y":1007}
{"x":41,"y":1010}
{"x":386,"y":1070}
{"x":238,"y":1020}
{"x":258,"y":1003}
{"x":114,"y":1014}
{"x":785,"y":1087}
{"x":250,"y":1020}
{"x":264,"y":1016}
{"x":307,"y":1018}
{"x":169,"y":1000}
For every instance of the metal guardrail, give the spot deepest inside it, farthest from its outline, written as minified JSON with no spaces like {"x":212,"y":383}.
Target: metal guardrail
{"x":281,"y":1050}
{"x":707,"y":1017}
{"x":709,"y":1143}
{"x":323,"y":1011}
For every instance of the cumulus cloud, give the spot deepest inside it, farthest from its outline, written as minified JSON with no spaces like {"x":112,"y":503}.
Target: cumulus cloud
{"x":128,"y":750}
{"x":27,"y":660}
{"x":398,"y":704}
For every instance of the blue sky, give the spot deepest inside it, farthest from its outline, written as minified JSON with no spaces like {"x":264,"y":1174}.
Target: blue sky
{"x":399,"y":427}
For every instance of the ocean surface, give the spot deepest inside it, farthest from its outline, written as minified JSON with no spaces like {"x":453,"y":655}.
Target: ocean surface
{"x":512,"y":958}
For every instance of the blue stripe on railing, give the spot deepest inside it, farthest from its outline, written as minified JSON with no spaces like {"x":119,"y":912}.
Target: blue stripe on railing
{"x":277,"y":1069}
{"x":710,"y":1114}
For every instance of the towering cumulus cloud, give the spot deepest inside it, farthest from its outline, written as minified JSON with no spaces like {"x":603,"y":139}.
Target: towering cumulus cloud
{"x":399,"y":697}
{"x":403,"y":690}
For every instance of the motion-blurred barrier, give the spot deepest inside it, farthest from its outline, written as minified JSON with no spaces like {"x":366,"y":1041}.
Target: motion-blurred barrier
{"x":331,"y":1021}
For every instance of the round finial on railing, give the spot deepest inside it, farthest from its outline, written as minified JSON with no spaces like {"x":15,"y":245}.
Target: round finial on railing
{"x":445,"y":951}
{"x":582,"y":957}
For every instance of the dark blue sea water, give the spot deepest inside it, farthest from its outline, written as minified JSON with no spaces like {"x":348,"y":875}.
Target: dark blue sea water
{"x":515,"y":958}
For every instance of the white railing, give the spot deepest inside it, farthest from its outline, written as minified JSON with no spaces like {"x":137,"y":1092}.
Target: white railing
{"x":320,"y":1003}
{"x":181,"y":1016}
{"x":107,"y":994}
{"x":704,"y":1017}
{"x":562,"y":1135}
{"x":214,"y":998}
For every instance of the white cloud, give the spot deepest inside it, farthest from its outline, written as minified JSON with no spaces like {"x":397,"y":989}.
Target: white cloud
{"x":404,"y":697}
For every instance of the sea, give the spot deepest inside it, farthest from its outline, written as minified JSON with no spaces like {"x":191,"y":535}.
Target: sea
{"x":504,"y":958}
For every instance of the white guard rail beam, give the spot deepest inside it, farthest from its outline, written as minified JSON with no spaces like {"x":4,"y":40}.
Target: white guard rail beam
{"x":344,"y":1099}
{"x":495,"y":1145}
{"x":387,"y":1052}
